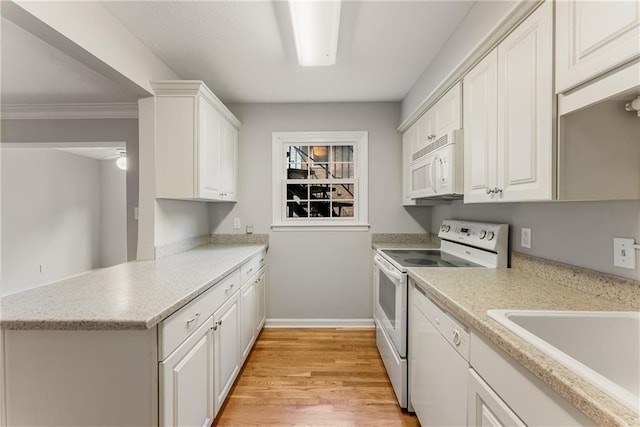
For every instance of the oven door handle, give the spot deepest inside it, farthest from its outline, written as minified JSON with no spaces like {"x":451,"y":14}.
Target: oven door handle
{"x":388,"y":270}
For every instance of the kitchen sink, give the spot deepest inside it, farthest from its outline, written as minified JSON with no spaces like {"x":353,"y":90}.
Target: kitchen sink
{"x":601,"y":346}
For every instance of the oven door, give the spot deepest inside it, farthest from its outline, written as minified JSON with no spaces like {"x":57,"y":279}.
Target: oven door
{"x":391,"y":303}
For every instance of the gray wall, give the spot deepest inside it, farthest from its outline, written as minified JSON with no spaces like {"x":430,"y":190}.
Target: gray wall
{"x":87,"y":130}
{"x":481,"y":19}
{"x":319,"y":275}
{"x":577,"y":233}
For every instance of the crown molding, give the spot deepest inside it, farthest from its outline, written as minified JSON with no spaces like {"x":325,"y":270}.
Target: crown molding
{"x":69,"y":111}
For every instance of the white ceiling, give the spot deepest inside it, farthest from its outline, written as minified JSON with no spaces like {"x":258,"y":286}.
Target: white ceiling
{"x":34,"y":72}
{"x":245,"y":52}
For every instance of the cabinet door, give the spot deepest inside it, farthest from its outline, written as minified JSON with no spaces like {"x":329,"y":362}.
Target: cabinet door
{"x":525,"y":110}
{"x":248,"y":308}
{"x":447,"y":112}
{"x":480,"y":129}
{"x":186,"y":381}
{"x":209,"y":146}
{"x":593,"y":37}
{"x":408,"y":146}
{"x":227,"y":347}
{"x":261,"y":291}
{"x":425,"y":129}
{"x":228,"y":163}
{"x":486,"y":408}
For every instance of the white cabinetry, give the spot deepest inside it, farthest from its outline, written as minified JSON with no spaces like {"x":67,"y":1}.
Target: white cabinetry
{"x":196,"y":143}
{"x":227,"y":347}
{"x":261,"y":291}
{"x":593,"y":37}
{"x":485,"y":407}
{"x":444,"y":116}
{"x":409,"y":139}
{"x":523,"y":148}
{"x":249,"y":312}
{"x":186,"y":381}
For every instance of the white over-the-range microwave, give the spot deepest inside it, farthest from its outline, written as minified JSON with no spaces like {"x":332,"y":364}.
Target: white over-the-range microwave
{"x":436,"y":168}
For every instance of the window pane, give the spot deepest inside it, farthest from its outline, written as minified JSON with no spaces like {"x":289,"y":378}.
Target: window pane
{"x":319,"y":171}
{"x":342,"y":191}
{"x":320,"y":209}
{"x":319,"y":153}
{"x":343,"y":208}
{"x":298,"y":209}
{"x":297,"y":170}
{"x":342,"y":153}
{"x":342,"y":170}
{"x":297,"y":154}
{"x":320,"y":191}
{"x":297,"y":192}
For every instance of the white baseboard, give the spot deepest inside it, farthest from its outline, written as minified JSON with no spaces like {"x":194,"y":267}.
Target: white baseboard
{"x":319,"y":323}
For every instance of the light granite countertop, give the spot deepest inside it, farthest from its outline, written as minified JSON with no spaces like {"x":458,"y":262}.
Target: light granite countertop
{"x":469,"y":293}
{"x":425,"y":245}
{"x":133,"y":295}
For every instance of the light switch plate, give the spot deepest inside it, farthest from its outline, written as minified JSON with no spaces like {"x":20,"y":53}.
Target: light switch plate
{"x":236,"y":223}
{"x":525,"y":238}
{"x":624,"y":253}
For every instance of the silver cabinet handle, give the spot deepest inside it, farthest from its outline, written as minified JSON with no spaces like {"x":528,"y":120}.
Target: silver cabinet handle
{"x":226,"y":290}
{"x":261,"y":259}
{"x":219,"y":322}
{"x":489,"y":191}
{"x":250,"y":270}
{"x":193,"y":319}
{"x":497,"y":190}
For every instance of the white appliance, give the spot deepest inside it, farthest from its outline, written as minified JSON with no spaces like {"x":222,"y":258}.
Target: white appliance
{"x":439,"y":363}
{"x":436,"y":169}
{"x":463,"y":244}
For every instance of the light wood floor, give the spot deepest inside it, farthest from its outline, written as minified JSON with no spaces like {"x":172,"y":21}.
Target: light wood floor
{"x":313,"y":377}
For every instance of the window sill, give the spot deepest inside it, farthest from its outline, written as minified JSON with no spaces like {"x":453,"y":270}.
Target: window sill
{"x":320,"y":227}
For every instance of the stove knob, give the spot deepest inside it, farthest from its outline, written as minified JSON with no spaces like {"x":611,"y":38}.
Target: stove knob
{"x":443,"y":228}
{"x":491,"y":235}
{"x":483,"y":234}
{"x":447,"y":228}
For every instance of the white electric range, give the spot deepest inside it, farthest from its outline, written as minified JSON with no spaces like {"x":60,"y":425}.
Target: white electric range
{"x":464,"y":244}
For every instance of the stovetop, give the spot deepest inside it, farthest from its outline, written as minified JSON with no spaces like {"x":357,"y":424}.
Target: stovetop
{"x":426,"y":258}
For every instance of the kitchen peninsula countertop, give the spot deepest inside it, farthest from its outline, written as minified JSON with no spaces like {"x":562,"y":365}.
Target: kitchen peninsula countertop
{"x":133,"y":295}
{"x":469,"y":293}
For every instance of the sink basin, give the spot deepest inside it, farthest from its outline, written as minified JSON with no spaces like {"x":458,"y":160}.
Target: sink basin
{"x":602,"y":347}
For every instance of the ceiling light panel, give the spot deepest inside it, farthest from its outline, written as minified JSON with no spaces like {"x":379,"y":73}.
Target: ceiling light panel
{"x":315,"y":30}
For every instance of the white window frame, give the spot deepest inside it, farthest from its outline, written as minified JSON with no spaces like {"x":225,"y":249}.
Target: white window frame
{"x":360,"y":219}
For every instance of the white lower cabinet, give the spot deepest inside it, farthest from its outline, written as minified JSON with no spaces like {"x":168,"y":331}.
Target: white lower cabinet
{"x":485,"y":408}
{"x":249,"y":312}
{"x":261,"y":293}
{"x":227,"y":347}
{"x":186,"y":381}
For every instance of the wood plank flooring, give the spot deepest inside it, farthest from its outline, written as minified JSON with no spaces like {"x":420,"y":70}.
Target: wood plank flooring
{"x":313,"y":377}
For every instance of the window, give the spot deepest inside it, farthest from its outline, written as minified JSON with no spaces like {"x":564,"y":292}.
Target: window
{"x":320,"y":180}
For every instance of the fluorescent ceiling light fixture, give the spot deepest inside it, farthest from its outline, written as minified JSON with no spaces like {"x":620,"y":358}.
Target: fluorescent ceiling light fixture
{"x":315,"y":30}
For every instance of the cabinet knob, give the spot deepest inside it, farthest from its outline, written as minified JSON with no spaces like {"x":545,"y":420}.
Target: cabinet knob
{"x":489,"y":191}
{"x":219,"y":322}
{"x":193,"y":319}
{"x":497,"y":190}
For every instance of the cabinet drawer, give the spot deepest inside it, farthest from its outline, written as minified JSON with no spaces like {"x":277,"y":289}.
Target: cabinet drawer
{"x":177,"y":327}
{"x":252,"y":266}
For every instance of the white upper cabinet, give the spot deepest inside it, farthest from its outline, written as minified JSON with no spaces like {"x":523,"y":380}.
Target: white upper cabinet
{"x":480,"y":129}
{"x":593,"y":37}
{"x":508,"y":120}
{"x":196,"y":143}
{"x":444,"y":116}
{"x":409,"y":139}
{"x":525,"y":110}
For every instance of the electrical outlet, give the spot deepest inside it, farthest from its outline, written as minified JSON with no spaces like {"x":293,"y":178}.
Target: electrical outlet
{"x":236,"y":223}
{"x":525,"y":238}
{"x":624,"y":253}
{"x":249,"y":229}
{"x":41,"y":268}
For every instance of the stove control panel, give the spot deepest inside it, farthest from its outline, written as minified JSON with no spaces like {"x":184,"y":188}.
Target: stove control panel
{"x":493,"y":237}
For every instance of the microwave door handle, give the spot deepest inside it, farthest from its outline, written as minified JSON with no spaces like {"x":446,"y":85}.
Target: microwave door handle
{"x":433,"y":173}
